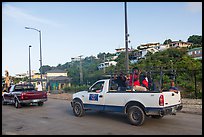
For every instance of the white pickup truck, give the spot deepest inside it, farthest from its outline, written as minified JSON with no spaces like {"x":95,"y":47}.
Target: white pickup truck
{"x":135,"y":104}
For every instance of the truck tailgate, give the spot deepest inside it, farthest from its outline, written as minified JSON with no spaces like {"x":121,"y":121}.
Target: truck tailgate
{"x":34,"y":95}
{"x":171,"y":98}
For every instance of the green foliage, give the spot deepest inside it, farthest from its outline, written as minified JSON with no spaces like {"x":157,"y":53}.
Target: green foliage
{"x":168,"y":59}
{"x":45,"y":68}
{"x":179,"y":60}
{"x":75,"y":88}
{"x":167,"y":41}
{"x":195,"y":46}
{"x":120,"y":62}
{"x":195,"y":39}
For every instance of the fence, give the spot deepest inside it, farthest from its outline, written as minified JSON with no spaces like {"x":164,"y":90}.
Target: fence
{"x":188,"y":80}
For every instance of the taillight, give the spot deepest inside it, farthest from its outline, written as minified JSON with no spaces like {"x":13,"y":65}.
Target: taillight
{"x":22,"y":95}
{"x":161,"y":100}
{"x":45,"y":94}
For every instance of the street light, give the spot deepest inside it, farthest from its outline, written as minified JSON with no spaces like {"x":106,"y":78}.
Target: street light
{"x":40,"y":52}
{"x":29,"y":65}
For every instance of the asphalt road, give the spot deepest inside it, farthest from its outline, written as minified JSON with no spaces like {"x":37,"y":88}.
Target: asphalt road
{"x":55,"y":117}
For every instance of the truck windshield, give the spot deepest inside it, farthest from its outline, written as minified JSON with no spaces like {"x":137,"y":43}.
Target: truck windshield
{"x":24,"y":88}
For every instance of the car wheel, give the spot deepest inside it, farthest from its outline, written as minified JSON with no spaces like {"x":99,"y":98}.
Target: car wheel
{"x":40,"y":103}
{"x":78,"y":109}
{"x":17,"y":104}
{"x":136,"y":115}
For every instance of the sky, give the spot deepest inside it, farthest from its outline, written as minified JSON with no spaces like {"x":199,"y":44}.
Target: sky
{"x":71,"y":29}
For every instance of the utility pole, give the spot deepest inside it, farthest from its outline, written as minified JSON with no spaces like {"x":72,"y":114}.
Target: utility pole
{"x":126,"y":41}
{"x":104,"y":69}
{"x":40,"y":53}
{"x":29,"y":66}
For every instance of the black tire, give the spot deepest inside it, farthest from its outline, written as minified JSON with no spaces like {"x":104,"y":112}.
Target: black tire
{"x":17,"y":104}
{"x":3,"y":101}
{"x":136,"y":115}
{"x":40,"y":103}
{"x":157,"y":116}
{"x":78,"y":109}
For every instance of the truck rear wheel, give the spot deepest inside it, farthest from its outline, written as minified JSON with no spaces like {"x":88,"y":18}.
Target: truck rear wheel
{"x":78,"y":109}
{"x":40,"y":103}
{"x":17,"y":104}
{"x":136,"y":115}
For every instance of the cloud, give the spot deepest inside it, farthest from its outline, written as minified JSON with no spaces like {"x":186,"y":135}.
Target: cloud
{"x":194,"y":7}
{"x":20,"y":14}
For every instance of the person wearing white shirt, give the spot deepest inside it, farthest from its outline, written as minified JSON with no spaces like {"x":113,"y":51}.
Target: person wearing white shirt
{"x":39,"y":86}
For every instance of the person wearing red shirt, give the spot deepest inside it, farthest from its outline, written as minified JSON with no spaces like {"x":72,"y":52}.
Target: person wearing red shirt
{"x":134,"y":80}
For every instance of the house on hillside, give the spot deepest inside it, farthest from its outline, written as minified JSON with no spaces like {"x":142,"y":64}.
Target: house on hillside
{"x":57,"y":79}
{"x":179,"y":44}
{"x":148,"y":45}
{"x":162,"y":47}
{"x":119,"y":50}
{"x":195,"y":53}
{"x":106,"y":64}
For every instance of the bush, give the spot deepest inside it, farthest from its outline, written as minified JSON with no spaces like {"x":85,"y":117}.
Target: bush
{"x":74,"y":89}
{"x":191,"y":95}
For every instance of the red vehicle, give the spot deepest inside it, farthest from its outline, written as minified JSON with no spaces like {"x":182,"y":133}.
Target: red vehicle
{"x":24,"y":94}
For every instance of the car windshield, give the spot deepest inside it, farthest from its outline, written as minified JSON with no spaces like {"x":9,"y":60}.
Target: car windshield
{"x":24,"y":87}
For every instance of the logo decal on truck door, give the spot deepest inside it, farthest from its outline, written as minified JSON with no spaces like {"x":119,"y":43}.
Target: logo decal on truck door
{"x":93,"y":97}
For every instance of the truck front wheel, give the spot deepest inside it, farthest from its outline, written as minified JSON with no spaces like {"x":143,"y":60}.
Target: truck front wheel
{"x":136,"y":115}
{"x":78,"y":109}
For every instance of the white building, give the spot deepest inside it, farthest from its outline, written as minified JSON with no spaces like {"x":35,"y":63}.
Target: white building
{"x":21,"y":75}
{"x":195,"y":53}
{"x":106,"y":64}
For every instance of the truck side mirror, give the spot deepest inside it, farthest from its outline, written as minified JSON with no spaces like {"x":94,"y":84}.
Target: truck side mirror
{"x":90,"y":89}
{"x":93,"y":89}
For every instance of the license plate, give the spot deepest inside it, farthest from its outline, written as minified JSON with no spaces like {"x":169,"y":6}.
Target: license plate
{"x":35,"y":100}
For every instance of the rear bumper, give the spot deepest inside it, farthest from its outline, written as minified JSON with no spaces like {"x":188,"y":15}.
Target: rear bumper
{"x":164,"y":111}
{"x":33,"y":101}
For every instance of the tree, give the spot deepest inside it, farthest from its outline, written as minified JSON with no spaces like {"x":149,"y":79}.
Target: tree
{"x":121,"y":61}
{"x":195,"y":39}
{"x":45,"y":68}
{"x":167,"y":41}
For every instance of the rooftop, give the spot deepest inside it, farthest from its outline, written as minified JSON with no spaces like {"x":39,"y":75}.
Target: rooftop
{"x":56,"y":71}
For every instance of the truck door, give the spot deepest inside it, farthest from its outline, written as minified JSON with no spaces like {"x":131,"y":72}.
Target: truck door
{"x":95,"y":96}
